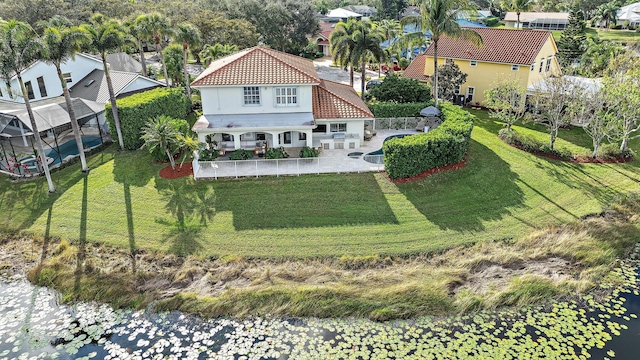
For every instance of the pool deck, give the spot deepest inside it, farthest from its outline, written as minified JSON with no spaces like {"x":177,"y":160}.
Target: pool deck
{"x":328,"y":161}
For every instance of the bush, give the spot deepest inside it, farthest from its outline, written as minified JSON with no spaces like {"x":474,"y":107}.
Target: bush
{"x":399,"y":90}
{"x":208,"y":154}
{"x":445,"y":145}
{"x":403,"y":63}
{"x":135,"y":110}
{"x":307,"y":152}
{"x":392,"y":110}
{"x":276,"y":153}
{"x":612,"y":152}
{"x":240,"y":154}
{"x":491,"y":21}
{"x":532,"y":145}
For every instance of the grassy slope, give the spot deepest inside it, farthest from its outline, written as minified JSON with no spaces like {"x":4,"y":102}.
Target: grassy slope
{"x":501,"y":193}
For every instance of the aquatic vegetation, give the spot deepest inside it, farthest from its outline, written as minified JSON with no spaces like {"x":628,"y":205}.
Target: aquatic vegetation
{"x":33,"y":325}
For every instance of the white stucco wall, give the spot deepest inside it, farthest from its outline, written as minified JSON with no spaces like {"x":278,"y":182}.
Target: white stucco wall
{"x":139,"y":84}
{"x":79,"y":67}
{"x":230,"y":100}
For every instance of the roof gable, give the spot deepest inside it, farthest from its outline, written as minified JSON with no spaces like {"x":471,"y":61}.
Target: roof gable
{"x":333,"y":100}
{"x":258,"y":66}
{"x":415,"y":70}
{"x":509,"y":46}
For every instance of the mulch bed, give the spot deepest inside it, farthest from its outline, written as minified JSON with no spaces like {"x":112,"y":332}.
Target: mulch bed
{"x":169,"y":173}
{"x":429,"y":172}
{"x":578,"y":159}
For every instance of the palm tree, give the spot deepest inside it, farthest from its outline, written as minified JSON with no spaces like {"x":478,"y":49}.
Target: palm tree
{"x":216,"y":51}
{"x":341,"y":44}
{"x":608,"y":13}
{"x":61,"y":42}
{"x":156,"y":26}
{"x":518,"y":6}
{"x":19,"y":48}
{"x":139,"y":37}
{"x":440,"y":17}
{"x":390,"y":28}
{"x":188,"y":35}
{"x":162,"y":133}
{"x":107,"y":35}
{"x":366,"y":42}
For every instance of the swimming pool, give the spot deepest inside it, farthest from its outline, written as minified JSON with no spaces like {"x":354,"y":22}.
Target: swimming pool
{"x":376,"y":157}
{"x":70,"y":148}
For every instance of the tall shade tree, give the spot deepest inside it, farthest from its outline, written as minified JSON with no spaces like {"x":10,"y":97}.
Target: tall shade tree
{"x":107,"y":35}
{"x":19,"y":48}
{"x":366,"y":41}
{"x":341,"y":44}
{"x":216,"y":51}
{"x":440,"y":17}
{"x":61,"y":42}
{"x":139,"y":37}
{"x":518,"y":6}
{"x":156,"y":26}
{"x":188,"y":36}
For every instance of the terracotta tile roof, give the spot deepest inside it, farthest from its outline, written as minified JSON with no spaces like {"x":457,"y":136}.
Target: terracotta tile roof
{"x":258,"y":66}
{"x":332,"y":100}
{"x":326,"y":29}
{"x":415,"y":70}
{"x":509,"y":46}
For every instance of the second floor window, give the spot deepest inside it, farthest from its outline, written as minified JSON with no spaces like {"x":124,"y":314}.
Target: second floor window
{"x":30,"y":93}
{"x":548,"y":65}
{"x":43,"y":88}
{"x":286,"y":96}
{"x":252,"y":95}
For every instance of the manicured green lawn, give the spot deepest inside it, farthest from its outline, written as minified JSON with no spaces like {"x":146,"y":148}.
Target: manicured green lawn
{"x":615,"y":35}
{"x":501,"y":193}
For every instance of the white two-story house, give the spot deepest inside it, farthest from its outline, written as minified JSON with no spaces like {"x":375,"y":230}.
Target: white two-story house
{"x":260,"y":96}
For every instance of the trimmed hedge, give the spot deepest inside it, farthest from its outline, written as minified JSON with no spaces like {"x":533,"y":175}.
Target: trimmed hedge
{"x":134,"y":111}
{"x":391,"y":110}
{"x":445,"y":145}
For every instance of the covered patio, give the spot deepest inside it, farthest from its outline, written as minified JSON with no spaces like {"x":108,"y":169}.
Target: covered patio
{"x":18,"y":156}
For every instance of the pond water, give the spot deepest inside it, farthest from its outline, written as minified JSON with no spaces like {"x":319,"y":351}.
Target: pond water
{"x":34,"y":326}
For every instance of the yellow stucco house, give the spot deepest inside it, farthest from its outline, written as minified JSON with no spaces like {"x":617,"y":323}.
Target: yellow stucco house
{"x":525,"y":55}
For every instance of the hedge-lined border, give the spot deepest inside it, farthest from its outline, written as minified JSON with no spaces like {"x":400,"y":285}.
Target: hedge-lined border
{"x":391,"y":110}
{"x":447,"y":144}
{"x":134,"y":111}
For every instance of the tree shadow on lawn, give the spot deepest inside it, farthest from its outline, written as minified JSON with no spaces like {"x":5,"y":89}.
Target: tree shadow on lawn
{"x":462,"y":200}
{"x":131,"y":170}
{"x":304,"y":201}
{"x":192,"y":207}
{"x":577,"y":177}
{"x":32,"y":195}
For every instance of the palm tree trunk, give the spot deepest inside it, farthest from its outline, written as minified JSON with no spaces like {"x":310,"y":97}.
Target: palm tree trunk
{"x":435,"y":72}
{"x":72,"y":117}
{"x":518,"y":21}
{"x":351,"y":76}
{"x":112,"y":98}
{"x":164,"y":66}
{"x":142,"y":60}
{"x":36,"y":136}
{"x":186,"y":73}
{"x":173,"y":164}
{"x":363,"y":79}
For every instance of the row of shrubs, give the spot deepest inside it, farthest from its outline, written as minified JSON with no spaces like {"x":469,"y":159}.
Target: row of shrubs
{"x":445,"y":145}
{"x":134,"y":111}
{"x":392,"y":110}
{"x":529,"y":144}
{"x":271,"y":153}
{"x":609,"y":151}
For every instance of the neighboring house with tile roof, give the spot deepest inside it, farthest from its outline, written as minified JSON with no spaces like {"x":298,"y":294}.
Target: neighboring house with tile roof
{"x":537,"y":20}
{"x":322,"y":39}
{"x":525,"y":55}
{"x":415,"y":70}
{"x":262,"y":96}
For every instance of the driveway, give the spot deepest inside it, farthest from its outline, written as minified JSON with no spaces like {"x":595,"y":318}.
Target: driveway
{"x":326,"y":71}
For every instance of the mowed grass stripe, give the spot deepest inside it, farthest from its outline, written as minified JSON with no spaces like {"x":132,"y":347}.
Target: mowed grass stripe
{"x":501,"y":193}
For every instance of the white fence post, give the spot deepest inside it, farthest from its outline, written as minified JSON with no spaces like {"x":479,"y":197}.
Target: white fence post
{"x":256,"y":167}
